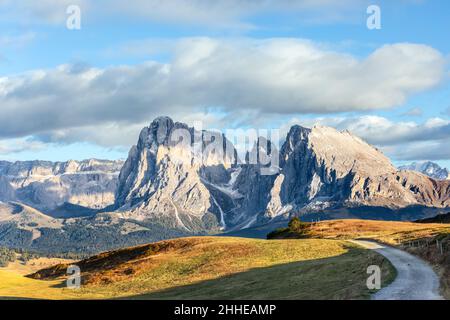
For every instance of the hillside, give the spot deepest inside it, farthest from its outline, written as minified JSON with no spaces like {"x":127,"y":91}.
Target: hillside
{"x":23,"y":227}
{"x":441,"y":218}
{"x":220,"y":267}
{"x":430,"y":241}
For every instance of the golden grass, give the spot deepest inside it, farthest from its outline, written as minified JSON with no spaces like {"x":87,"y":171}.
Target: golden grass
{"x":386,"y":231}
{"x":16,"y":286}
{"x":218,"y":267}
{"x":416,"y":238}
{"x":32,"y":265}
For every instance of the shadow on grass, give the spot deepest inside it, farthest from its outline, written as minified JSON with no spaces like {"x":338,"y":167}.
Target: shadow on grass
{"x":338,"y":277}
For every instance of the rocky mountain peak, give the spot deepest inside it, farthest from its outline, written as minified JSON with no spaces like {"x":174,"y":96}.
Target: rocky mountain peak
{"x":318,"y":168}
{"x":428,"y":168}
{"x":346,"y":152}
{"x":170,"y":172}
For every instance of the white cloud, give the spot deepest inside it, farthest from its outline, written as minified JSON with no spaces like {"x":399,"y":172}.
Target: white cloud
{"x":423,"y":150}
{"x":283,"y":76}
{"x":382,"y":131}
{"x":428,"y":140}
{"x":11,"y":146}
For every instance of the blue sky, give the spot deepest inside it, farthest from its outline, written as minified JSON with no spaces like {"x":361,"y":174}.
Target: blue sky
{"x":75,"y":94}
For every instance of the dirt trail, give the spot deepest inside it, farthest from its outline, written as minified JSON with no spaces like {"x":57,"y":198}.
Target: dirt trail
{"x":415,"y":280}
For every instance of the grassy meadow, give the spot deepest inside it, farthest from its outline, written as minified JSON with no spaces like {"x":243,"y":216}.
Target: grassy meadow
{"x":430,"y":241}
{"x":213,"y":268}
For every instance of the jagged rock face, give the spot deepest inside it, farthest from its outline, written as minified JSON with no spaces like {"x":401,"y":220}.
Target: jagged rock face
{"x":319,"y":168}
{"x":177,"y":182}
{"x":322,"y":167}
{"x":428,"y":168}
{"x":47,"y":185}
{"x":166,"y":178}
{"x":7,"y":192}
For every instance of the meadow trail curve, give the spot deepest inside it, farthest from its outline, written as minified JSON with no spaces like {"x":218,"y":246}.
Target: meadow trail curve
{"x":415,"y":279}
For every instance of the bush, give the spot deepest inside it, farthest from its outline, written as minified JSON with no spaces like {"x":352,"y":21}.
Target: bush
{"x":295,"y":225}
{"x":6,"y":256}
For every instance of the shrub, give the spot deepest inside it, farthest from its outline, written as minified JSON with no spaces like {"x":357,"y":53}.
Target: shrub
{"x":295,"y":225}
{"x":6,"y":256}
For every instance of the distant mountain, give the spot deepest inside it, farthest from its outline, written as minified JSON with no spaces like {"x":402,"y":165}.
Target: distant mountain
{"x":178,"y":181}
{"x":24,"y":227}
{"x":48,"y":185}
{"x":429,"y":168}
{"x":319,"y":169}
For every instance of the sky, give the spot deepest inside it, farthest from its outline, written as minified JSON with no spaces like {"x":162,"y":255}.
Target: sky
{"x":82,"y":93}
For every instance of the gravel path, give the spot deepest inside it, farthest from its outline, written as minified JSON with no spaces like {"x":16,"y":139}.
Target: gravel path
{"x":415,"y":280}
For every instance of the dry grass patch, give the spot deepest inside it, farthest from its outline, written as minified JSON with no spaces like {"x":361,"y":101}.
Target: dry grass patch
{"x":416,"y":238}
{"x":220,"y":267}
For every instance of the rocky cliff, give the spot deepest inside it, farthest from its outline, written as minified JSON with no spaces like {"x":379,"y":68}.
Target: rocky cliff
{"x":169,"y":179}
{"x":47,"y":185}
{"x":178,"y":181}
{"x":319,"y":169}
{"x":322,"y":168}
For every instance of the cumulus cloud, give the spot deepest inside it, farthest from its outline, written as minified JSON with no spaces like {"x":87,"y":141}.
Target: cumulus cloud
{"x":425,"y":150}
{"x":12,"y":146}
{"x":383,"y":132}
{"x":428,"y":140}
{"x":266,"y":76}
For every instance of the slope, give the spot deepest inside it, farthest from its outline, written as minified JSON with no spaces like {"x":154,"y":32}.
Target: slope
{"x":221,"y":267}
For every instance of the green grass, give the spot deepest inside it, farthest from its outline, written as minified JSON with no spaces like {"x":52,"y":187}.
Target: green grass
{"x":222,"y":268}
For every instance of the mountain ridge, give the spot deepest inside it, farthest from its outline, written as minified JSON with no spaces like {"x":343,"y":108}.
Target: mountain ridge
{"x":179,"y":181}
{"x":48,"y":185}
{"x":428,"y":168}
{"x":319,"y":168}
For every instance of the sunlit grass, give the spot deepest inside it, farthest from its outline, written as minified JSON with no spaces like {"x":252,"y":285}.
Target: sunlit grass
{"x":220,"y":267}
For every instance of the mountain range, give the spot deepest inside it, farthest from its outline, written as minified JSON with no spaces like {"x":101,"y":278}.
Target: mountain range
{"x":57,"y":187}
{"x":180,"y":181}
{"x":429,"y":168}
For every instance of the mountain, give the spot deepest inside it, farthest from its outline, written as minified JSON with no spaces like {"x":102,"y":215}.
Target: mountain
{"x":429,"y":168}
{"x":179,"y":181}
{"x":48,"y":186}
{"x":319,"y":169}
{"x":322,"y":167}
{"x":27,"y":228}
{"x":7,"y":192}
{"x":168,"y":181}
